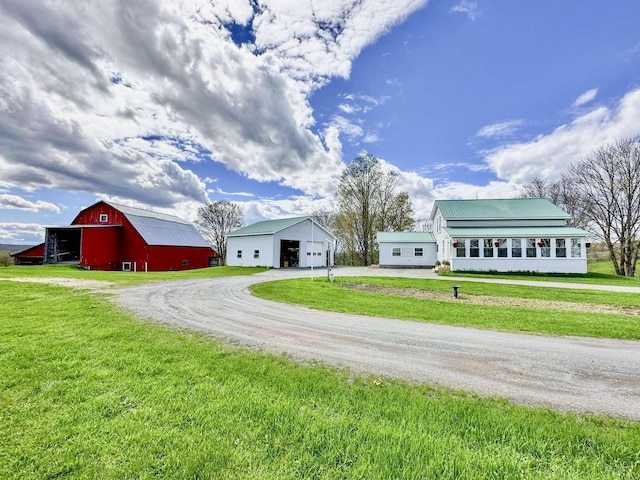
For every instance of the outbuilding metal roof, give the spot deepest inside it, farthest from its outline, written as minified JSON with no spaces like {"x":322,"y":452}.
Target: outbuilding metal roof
{"x":405,"y":237}
{"x":270,"y":227}
{"x":515,"y":232}
{"x":161,"y":229}
{"x":499,"y":209}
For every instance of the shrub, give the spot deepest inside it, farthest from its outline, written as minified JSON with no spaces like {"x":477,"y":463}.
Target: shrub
{"x":438,"y":263}
{"x":5,"y":259}
{"x":446,"y":262}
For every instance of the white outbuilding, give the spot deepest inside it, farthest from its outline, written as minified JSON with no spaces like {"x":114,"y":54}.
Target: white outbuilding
{"x":298,"y":242}
{"x":406,"y":249}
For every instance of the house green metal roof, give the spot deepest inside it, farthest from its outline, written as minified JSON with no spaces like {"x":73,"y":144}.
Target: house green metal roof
{"x":405,"y":237}
{"x":515,"y":232}
{"x":270,"y":227}
{"x":499,"y":209}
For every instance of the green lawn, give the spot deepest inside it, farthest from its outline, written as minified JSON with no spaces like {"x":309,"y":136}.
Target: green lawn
{"x":121,"y":278}
{"x":599,"y":273}
{"x":89,"y":392}
{"x":333,"y":296}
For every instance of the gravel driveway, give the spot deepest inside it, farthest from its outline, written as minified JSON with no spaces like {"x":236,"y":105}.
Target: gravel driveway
{"x":567,"y":373}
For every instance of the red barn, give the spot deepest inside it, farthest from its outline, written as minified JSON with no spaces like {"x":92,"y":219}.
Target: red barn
{"x":108,"y":236}
{"x":30,"y":256}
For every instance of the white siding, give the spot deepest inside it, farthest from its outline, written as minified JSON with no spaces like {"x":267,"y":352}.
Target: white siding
{"x":303,"y":233}
{"x":248,"y":245}
{"x":269,"y":247}
{"x":407,"y":256}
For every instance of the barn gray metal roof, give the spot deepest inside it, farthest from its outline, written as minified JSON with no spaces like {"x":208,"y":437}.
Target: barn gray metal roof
{"x":161,"y":229}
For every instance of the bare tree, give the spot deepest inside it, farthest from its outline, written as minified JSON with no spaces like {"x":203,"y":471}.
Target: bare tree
{"x":608,"y":183}
{"x":369,"y":201}
{"x":560,"y":193}
{"x":217,"y":219}
{"x":326,"y":218}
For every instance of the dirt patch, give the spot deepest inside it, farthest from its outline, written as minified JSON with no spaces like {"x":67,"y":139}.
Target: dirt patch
{"x":490,"y":300}
{"x":64,"y":282}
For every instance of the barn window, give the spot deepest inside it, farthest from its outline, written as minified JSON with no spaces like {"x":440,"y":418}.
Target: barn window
{"x":126,"y":266}
{"x":104,"y":218}
{"x":395,"y":252}
{"x":239,"y":254}
{"x":185,"y":263}
{"x":417,"y":252}
{"x":256,"y":254}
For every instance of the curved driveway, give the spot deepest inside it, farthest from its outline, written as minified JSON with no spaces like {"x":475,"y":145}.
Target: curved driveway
{"x":567,"y":373}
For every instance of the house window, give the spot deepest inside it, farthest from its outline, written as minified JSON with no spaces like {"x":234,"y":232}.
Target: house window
{"x":531,"y":248}
{"x":104,"y":218}
{"x":461,"y":248}
{"x":185,"y":263}
{"x":474,"y":248}
{"x":488,"y":248}
{"x":256,"y":254}
{"x":417,"y":252}
{"x":502,"y":247}
{"x":561,"y":248}
{"x":239,"y":254}
{"x":575,"y":248}
{"x":395,"y":252}
{"x":545,"y":247}
{"x":516,"y":247}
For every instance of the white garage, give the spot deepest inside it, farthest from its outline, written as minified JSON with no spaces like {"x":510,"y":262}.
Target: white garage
{"x":298,"y":242}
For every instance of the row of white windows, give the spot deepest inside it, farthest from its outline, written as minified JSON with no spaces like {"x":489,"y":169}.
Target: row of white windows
{"x":520,"y":247}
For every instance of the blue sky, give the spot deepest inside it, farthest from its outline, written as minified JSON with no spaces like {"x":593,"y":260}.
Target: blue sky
{"x":165,"y":105}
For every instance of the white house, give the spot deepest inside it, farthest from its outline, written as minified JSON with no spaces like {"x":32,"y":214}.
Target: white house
{"x":406,"y":249}
{"x":288,"y":242}
{"x":508,"y":235}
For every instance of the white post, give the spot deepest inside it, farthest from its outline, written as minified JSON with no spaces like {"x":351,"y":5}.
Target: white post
{"x":312,"y":249}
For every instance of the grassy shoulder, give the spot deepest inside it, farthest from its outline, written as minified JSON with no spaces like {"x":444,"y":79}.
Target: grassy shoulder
{"x":121,"y":278}
{"x":89,"y":392}
{"x":333,"y":296}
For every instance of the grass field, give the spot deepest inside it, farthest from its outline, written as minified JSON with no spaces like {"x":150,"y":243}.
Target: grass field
{"x":121,"y":278}
{"x":89,"y":392}
{"x":334,"y":297}
{"x":600,"y":273}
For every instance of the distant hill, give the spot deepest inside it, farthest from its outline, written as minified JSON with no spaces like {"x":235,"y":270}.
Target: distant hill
{"x":13,"y":248}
